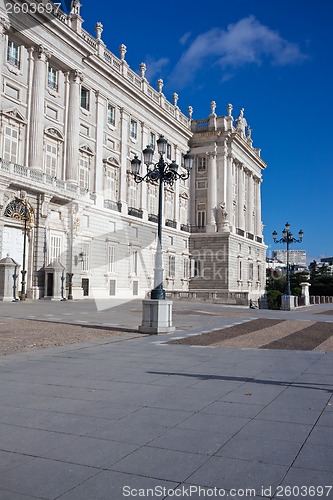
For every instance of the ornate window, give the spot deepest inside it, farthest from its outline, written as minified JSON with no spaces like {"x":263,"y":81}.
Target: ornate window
{"x":52,"y":151}
{"x":133,"y":192}
{"x":169,"y":204}
{"x":85,"y":94}
{"x":85,"y":158}
{"x":111,"y":259}
{"x":201,"y":164}
{"x":133,"y":129}
{"x":84,"y":171}
{"x":201,"y":214}
{"x":51,"y":159}
{"x":111,"y":117}
{"x":152,"y":199}
{"x":13,"y":54}
{"x":171,"y":266}
{"x":152,"y":140}
{"x":183,"y":208}
{"x":55,"y":248}
{"x":52,"y":78}
{"x":10,"y":143}
{"x":111,"y":174}
{"x":85,"y":256}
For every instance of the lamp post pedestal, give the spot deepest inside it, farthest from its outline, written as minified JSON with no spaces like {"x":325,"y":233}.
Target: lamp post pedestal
{"x":156,"y":317}
{"x":288,"y":302}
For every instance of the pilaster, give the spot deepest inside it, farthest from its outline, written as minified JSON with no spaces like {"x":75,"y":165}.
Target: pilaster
{"x":240,"y":197}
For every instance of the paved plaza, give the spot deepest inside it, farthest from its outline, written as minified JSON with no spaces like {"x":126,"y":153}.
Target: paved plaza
{"x":135,"y":416}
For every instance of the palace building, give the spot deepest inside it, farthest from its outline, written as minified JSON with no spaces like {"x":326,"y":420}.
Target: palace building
{"x":72,"y":117}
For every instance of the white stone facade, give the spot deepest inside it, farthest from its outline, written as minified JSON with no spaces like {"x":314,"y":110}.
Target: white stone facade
{"x":228,"y":247}
{"x":72,"y":116}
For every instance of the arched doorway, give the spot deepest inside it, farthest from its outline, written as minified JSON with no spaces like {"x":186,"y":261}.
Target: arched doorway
{"x":16,"y":236}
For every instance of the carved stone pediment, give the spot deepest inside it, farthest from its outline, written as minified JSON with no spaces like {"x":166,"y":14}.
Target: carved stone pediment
{"x":54,"y":133}
{"x":111,"y":160}
{"x":14,"y":114}
{"x":85,"y":148}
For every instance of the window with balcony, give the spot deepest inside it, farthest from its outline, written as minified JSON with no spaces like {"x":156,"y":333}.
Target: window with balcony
{"x":10,"y":143}
{"x":84,"y":168}
{"x":51,"y":159}
{"x":111,"y":183}
{"x":171,"y":266}
{"x":55,"y":248}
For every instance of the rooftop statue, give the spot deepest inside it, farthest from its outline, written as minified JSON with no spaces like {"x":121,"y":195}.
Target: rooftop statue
{"x":241,"y":123}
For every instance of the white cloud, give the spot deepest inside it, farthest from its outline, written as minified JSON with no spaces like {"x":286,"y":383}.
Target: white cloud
{"x":242,"y":43}
{"x":184,"y":38}
{"x":154,"y":67}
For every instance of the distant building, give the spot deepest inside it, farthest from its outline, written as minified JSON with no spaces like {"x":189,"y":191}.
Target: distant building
{"x":328,"y":260}
{"x":296,"y":257}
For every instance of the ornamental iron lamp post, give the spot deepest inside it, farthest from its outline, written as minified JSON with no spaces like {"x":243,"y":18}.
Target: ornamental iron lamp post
{"x":158,"y":174}
{"x":27,"y":217}
{"x":288,"y":238}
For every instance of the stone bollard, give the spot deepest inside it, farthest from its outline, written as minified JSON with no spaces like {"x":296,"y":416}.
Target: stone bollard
{"x":305,"y":292}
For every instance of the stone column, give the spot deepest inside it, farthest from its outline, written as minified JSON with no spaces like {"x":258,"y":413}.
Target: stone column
{"x":124,"y":124}
{"x":36,"y":136}
{"x":258,"y":225}
{"x":100,"y":118}
{"x":73,"y":126}
{"x":230,"y":193}
{"x":249,"y":203}
{"x":211,"y":194}
{"x":240,"y":197}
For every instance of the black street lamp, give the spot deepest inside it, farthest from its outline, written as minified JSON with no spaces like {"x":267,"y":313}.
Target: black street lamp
{"x":27,"y":217}
{"x":157,"y":174}
{"x":288,"y":238}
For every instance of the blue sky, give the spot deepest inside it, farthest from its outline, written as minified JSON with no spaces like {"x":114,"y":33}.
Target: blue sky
{"x":274,"y":59}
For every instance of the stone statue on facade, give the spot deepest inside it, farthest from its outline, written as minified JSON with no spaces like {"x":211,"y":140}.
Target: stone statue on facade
{"x":241,"y":123}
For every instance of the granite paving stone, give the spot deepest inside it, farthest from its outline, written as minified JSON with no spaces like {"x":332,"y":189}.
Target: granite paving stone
{"x":161,"y":464}
{"x":230,"y":473}
{"x":190,"y":440}
{"x":316,"y":456}
{"x":109,"y":485}
{"x":44,"y":478}
{"x":269,"y":451}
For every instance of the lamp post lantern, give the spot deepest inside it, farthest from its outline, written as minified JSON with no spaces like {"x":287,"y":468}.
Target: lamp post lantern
{"x":287,"y":238}
{"x":161,"y":172}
